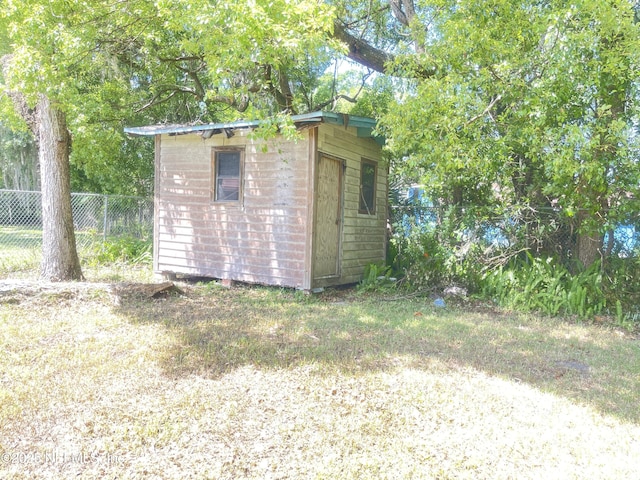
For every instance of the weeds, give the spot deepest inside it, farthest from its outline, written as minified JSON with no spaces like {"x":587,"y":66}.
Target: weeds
{"x":376,"y":278}
{"x":543,"y":285}
{"x":129,"y":250}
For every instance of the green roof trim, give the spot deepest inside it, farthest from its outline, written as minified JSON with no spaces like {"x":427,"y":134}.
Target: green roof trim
{"x":365,"y":126}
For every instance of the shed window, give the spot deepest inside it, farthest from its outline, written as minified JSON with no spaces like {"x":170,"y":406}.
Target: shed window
{"x":227,"y":175}
{"x":368,"y":171}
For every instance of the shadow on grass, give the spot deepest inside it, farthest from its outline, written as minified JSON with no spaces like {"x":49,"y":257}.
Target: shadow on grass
{"x":216,"y":331}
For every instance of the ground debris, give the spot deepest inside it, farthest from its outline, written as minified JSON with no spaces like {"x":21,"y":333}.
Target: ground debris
{"x":143,"y":290}
{"x":573,"y":365}
{"x":18,"y":291}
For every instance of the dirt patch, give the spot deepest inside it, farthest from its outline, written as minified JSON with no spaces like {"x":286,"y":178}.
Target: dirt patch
{"x":19,"y":291}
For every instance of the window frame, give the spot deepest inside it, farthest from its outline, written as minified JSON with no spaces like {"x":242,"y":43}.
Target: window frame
{"x":214,"y":174}
{"x":363,"y":207}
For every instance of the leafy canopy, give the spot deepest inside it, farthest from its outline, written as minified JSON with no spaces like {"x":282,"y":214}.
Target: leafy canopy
{"x":531,"y":102}
{"x":107,"y":64}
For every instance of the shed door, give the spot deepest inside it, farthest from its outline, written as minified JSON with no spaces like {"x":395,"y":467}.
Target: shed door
{"x":328,"y":217}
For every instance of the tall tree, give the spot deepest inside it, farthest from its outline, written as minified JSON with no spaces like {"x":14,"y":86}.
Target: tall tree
{"x":71,"y":62}
{"x":49,"y":127}
{"x":522,"y":102}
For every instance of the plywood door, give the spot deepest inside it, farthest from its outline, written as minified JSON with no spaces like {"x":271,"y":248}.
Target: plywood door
{"x":328,"y":217}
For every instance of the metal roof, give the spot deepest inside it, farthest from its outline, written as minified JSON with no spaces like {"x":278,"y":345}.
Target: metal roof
{"x":365,"y":126}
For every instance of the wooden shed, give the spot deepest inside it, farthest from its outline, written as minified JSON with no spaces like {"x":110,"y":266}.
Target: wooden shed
{"x":304,"y":213}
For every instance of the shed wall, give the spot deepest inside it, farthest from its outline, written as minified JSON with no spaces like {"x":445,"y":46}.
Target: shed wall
{"x":363,"y":236}
{"x":261,"y":239}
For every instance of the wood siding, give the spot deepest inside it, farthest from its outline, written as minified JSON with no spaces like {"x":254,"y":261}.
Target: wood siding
{"x":260,"y":239}
{"x":363,"y":236}
{"x":269,"y":236}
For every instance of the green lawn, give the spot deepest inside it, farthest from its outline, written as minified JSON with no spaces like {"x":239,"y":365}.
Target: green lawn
{"x":20,"y":249}
{"x":269,"y":383}
{"x":21,"y":252}
{"x":17,"y":239}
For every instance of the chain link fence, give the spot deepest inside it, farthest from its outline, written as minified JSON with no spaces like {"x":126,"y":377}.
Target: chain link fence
{"x":523,"y":257}
{"x":540,"y":231}
{"x":96,"y":218}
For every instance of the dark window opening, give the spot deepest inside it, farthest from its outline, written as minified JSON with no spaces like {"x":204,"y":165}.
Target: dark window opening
{"x":227,"y":176}
{"x":368,"y":171}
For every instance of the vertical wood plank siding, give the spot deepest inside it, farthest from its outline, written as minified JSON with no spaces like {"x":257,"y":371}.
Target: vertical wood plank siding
{"x":363,"y":235}
{"x":261,"y":239}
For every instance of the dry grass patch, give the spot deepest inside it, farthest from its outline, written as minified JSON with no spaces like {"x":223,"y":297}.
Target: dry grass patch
{"x":266,"y":383}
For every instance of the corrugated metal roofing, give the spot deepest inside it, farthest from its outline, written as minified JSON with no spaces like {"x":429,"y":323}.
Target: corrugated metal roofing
{"x":364,"y":125}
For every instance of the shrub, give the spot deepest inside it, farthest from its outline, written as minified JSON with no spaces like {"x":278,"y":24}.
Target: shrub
{"x":545,"y":285}
{"x":125,"y":249}
{"x":622,"y":289}
{"x":436,"y":255}
{"x":376,"y":278}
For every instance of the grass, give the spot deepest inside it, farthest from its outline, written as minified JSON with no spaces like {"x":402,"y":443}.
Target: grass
{"x":269,"y":383}
{"x":114,"y":259}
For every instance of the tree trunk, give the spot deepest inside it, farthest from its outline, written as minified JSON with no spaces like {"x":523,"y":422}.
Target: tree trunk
{"x":59,"y":255}
{"x":588,"y":247}
{"x":588,"y":242}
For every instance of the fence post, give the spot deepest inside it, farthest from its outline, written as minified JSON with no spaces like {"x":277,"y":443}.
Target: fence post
{"x":106,"y":211}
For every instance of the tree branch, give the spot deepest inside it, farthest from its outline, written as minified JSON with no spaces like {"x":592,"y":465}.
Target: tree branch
{"x":156,"y":100}
{"x":403,"y":10}
{"x":167,"y":92}
{"x":485,"y":111}
{"x":374,"y":58}
{"x":340,"y":96}
{"x":333,"y":100}
{"x":405,"y":13}
{"x":360,"y":51}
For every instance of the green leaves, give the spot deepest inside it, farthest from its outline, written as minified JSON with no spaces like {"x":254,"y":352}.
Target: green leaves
{"x":212,"y":51}
{"x":109,"y":64}
{"x":539,"y":100}
{"x":544,"y":285}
